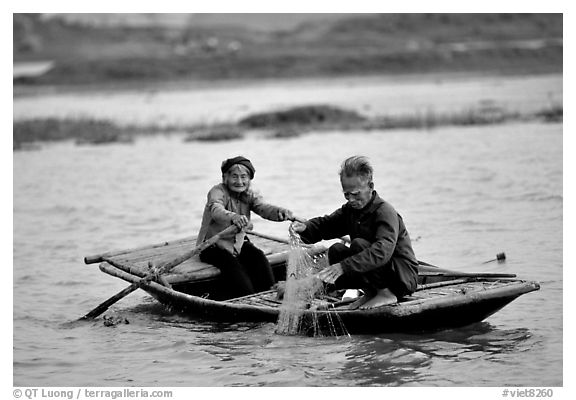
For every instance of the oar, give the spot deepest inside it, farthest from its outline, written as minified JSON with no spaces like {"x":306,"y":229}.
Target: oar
{"x":500,"y":257}
{"x":273,"y":238}
{"x":456,"y":274}
{"x":158,"y":272}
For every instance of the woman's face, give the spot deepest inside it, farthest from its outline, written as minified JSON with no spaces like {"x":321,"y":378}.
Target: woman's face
{"x":237,"y":179}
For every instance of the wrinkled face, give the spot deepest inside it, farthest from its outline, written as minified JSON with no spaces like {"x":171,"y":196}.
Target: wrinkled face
{"x":357,"y":190}
{"x":237,"y":179}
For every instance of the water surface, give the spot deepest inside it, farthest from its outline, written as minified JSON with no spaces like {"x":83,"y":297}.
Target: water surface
{"x":465,"y":194}
{"x":371,"y":96}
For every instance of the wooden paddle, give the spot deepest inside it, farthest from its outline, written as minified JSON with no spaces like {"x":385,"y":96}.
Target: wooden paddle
{"x":157,"y":274}
{"x":500,"y":257}
{"x":456,"y":274}
{"x":433,"y":270}
{"x":273,"y":238}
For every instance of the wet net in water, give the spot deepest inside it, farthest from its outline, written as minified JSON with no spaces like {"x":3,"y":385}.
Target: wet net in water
{"x":303,"y":294}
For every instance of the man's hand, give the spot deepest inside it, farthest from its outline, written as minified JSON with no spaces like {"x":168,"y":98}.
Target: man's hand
{"x":298,"y":226}
{"x":331,"y":273}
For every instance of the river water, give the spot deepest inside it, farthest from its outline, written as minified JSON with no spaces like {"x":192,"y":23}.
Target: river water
{"x":465,"y":194}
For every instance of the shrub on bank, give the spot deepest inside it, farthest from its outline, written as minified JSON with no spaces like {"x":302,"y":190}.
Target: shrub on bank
{"x":215,"y":133}
{"x":301,"y":116}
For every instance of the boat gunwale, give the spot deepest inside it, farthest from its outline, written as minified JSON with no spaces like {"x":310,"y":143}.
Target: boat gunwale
{"x":206,"y":271}
{"x":402,"y":309}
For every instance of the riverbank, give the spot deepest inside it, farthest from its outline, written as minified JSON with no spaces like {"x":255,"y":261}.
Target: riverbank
{"x":226,"y":69}
{"x":170,"y":85}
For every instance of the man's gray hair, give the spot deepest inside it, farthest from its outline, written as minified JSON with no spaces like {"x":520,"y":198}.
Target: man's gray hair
{"x":357,"y":166}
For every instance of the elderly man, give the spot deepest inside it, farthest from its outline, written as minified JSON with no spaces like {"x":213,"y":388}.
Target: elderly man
{"x":380,"y":259}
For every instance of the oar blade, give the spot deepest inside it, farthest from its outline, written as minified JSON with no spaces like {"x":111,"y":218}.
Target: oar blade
{"x":106,"y":304}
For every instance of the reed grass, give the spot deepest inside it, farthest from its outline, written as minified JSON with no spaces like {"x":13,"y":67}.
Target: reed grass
{"x":54,"y":129}
{"x":282,"y":124}
{"x":82,"y":131}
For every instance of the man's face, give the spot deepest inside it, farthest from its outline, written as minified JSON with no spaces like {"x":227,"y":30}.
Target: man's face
{"x":357,"y":191}
{"x":237,"y":179}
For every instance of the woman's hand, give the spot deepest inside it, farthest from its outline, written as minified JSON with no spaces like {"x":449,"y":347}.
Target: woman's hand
{"x":284,"y":215}
{"x":287,"y":215}
{"x":241,"y":221}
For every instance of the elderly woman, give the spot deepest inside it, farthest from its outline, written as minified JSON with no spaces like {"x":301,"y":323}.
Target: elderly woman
{"x":245,"y":269}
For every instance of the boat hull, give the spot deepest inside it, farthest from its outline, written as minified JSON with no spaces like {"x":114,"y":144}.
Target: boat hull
{"x":444,"y":298}
{"x":443,"y":305}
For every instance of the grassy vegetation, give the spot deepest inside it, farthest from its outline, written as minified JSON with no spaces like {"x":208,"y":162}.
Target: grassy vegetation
{"x":54,"y":129}
{"x":215,"y":133}
{"x":82,"y":131}
{"x":277,"y":124}
{"x":554,"y":113}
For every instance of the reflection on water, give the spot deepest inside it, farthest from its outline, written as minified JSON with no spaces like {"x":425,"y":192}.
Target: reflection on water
{"x":396,"y":360}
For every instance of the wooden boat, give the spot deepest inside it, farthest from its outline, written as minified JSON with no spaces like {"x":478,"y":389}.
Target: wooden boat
{"x":444,"y":298}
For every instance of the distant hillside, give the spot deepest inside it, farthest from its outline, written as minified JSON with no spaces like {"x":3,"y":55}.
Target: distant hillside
{"x":262,"y":22}
{"x":107,"y":48}
{"x":53,"y":36}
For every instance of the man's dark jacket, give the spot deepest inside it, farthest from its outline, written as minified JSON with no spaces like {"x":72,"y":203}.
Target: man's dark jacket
{"x":380,"y":224}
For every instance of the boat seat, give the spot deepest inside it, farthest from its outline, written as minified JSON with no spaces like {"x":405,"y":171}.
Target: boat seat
{"x":189,"y":271}
{"x":136,"y":261}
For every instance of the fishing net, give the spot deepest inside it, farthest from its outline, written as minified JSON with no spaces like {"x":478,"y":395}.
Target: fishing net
{"x":300,"y":312}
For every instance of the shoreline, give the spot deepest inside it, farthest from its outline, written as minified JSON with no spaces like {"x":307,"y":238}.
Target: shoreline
{"x":23,"y":91}
{"x":381,"y":101}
